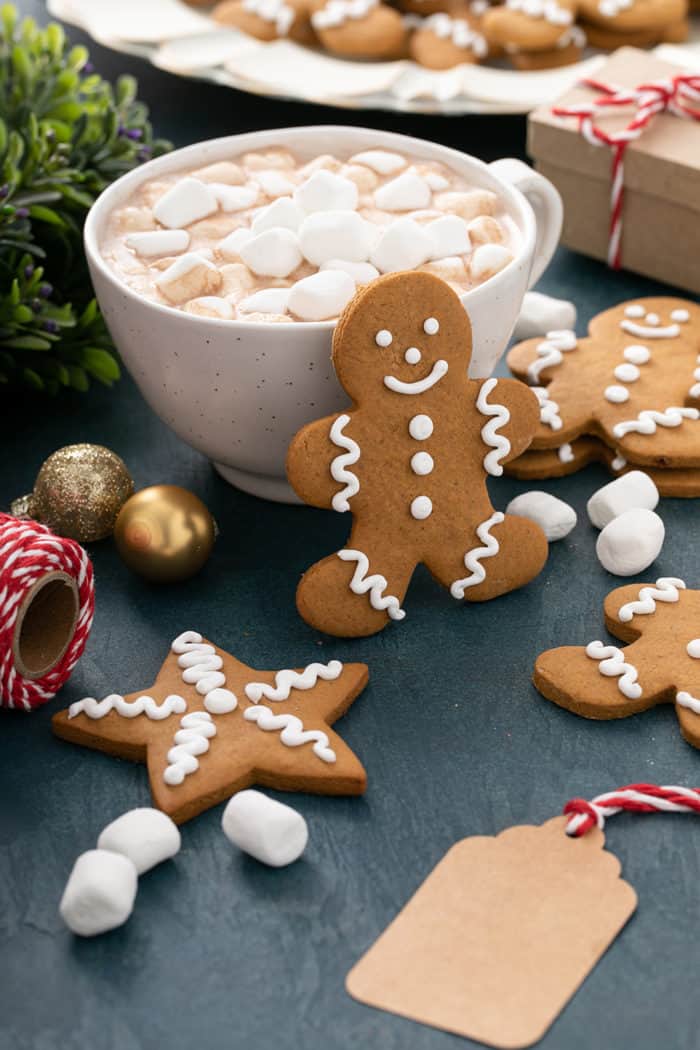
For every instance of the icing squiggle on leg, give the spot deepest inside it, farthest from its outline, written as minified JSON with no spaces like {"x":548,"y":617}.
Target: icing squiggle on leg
{"x":191,"y":740}
{"x":473,"y":558}
{"x":613,"y":665}
{"x":339,"y":466}
{"x":489,"y":432}
{"x":292,"y":731}
{"x":549,"y":410}
{"x":689,"y":701}
{"x":666,"y":590}
{"x":285,"y":681}
{"x":376,"y":584}
{"x":649,"y":418}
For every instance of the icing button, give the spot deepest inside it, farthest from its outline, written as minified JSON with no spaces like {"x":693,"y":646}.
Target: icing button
{"x":421,"y":508}
{"x":617,"y":394}
{"x":422,"y":463}
{"x":420,"y":427}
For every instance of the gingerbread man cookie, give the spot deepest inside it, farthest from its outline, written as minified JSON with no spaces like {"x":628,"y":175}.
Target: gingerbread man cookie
{"x":267,"y":19}
{"x":359,"y":28}
{"x":442,"y":41}
{"x":410,"y":460}
{"x":634,"y":383}
{"x":662,"y":665}
{"x":529,"y":25}
{"x":622,"y":16}
{"x":209,"y":726}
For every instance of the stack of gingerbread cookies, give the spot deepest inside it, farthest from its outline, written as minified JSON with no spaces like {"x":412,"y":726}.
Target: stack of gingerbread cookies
{"x":628,"y":396}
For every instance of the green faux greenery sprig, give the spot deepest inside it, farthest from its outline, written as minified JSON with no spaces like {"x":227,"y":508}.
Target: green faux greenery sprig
{"x":65,"y":134}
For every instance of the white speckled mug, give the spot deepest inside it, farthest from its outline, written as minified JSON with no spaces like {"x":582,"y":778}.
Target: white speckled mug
{"x":238,"y":391}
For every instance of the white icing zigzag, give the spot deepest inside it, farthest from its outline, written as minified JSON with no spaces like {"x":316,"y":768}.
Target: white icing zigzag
{"x":285,"y":681}
{"x":695,"y":388}
{"x":293,"y":734}
{"x":473,"y":558}
{"x":689,"y":701}
{"x":489,"y":432}
{"x":191,"y":740}
{"x":550,"y":352}
{"x":549,"y":410}
{"x":565,"y":453}
{"x":647,"y":420}
{"x":613,"y":665}
{"x":376,"y":584}
{"x":143,"y":705}
{"x":202,"y":668}
{"x":666,"y":590}
{"x":339,"y":466}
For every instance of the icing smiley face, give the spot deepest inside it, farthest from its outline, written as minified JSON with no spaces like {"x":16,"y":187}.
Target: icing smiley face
{"x":648,"y":325}
{"x":391,"y":350}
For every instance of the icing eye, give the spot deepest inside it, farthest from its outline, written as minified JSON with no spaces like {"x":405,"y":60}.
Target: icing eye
{"x":431,"y":326}
{"x":652,"y":319}
{"x":384,"y":338}
{"x":634,"y":311}
{"x":680,"y":316}
{"x":412,"y":355}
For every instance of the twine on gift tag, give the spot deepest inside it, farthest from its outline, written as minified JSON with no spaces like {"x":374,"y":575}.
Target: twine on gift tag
{"x":635,"y":798}
{"x":679,"y":96}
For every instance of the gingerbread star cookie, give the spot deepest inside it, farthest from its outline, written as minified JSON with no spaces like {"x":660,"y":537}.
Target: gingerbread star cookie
{"x":410,"y":459}
{"x":210,"y":726}
{"x":661,"y":665}
{"x":634,"y":382}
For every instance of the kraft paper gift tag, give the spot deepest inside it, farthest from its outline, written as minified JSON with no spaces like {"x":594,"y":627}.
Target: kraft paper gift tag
{"x":500,"y":935}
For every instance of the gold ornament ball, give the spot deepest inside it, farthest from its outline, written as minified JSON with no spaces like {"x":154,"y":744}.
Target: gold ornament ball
{"x":164,"y":533}
{"x":78,"y":492}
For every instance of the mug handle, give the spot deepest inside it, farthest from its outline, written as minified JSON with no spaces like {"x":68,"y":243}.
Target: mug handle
{"x":546,"y":203}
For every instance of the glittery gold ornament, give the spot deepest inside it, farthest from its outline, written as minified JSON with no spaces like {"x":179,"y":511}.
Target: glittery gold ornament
{"x":164,"y":533}
{"x":78,"y":492}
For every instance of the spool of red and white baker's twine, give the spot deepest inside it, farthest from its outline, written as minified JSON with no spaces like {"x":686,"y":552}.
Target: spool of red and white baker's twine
{"x":678,"y":95}
{"x":29,"y":555}
{"x":635,"y":798}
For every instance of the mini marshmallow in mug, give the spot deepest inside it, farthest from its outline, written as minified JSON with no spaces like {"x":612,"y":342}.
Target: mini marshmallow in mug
{"x":322,"y":295}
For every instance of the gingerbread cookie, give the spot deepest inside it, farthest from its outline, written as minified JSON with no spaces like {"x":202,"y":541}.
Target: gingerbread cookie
{"x":267,"y":19}
{"x":569,"y":49}
{"x":209,"y":726}
{"x":571,"y":457}
{"x":662,"y":665}
{"x":607,"y":39}
{"x":634,"y":382}
{"x":442,"y":41}
{"x":359,"y":28}
{"x":529,"y":25}
{"x":410,"y":460}
{"x":622,"y":16}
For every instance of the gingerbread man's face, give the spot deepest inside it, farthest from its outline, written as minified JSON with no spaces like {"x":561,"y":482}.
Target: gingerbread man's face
{"x":640,"y":322}
{"x":388,"y":343}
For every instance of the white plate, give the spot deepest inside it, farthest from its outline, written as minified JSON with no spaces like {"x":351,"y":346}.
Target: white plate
{"x":183,"y":40}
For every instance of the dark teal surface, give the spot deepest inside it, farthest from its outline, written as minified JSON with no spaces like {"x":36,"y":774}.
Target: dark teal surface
{"x":222,"y":953}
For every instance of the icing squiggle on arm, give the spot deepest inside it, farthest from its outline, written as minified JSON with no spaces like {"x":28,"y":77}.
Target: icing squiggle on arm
{"x":550,"y":352}
{"x":473,"y":558}
{"x":489,"y":432}
{"x":695,"y":388}
{"x":285,"y":681}
{"x":648,"y":419}
{"x":292,"y":731}
{"x":339,"y":466}
{"x":143,"y":705}
{"x":666,"y":590}
{"x":688,"y":700}
{"x":612,"y":664}
{"x":376,"y":584}
{"x":191,"y":739}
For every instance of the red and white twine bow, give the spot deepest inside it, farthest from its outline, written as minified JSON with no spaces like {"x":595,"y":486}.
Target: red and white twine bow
{"x":636,"y":798}
{"x":28,"y":552}
{"x":679,"y":96}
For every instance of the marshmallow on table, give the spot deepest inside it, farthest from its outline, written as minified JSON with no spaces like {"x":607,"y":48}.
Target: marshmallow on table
{"x":407,"y":192}
{"x":336,"y":234}
{"x":555,"y":518}
{"x":361,"y":272}
{"x":146,"y":836}
{"x":230,"y":246}
{"x":635,"y":489}
{"x":325,"y":191}
{"x":159,"y":242}
{"x":488,"y":259}
{"x":540,"y":314}
{"x":100,"y":892}
{"x":449,"y":236}
{"x":402,"y":246}
{"x":321,"y":296}
{"x":266,"y":301}
{"x":272,"y":253}
{"x":186,"y":202}
{"x":233,"y":198}
{"x":631,"y":542}
{"x":379,"y":160}
{"x":271,"y":832}
{"x":188,"y":277}
{"x":281,"y":213}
